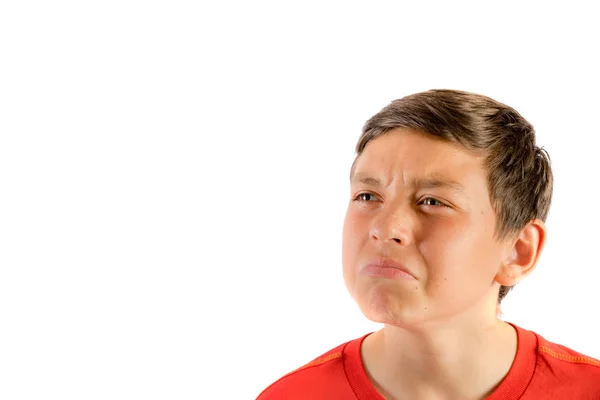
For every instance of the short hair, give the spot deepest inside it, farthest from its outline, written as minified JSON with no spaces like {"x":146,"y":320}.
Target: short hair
{"x":519,"y":173}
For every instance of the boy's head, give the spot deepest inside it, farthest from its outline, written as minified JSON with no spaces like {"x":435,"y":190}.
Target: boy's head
{"x":452,"y":186}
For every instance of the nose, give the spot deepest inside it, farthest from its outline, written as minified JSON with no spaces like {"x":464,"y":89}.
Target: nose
{"x":393,"y":225}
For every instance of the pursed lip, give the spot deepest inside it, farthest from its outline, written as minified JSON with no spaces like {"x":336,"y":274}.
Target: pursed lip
{"x":381,"y":264}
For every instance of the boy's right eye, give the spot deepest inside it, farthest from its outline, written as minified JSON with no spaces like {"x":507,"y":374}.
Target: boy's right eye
{"x":364,"y":197}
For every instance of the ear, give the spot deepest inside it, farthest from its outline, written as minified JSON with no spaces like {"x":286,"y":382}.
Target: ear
{"x":522,"y":253}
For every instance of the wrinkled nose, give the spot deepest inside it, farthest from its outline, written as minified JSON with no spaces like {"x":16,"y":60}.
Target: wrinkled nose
{"x":393,"y":225}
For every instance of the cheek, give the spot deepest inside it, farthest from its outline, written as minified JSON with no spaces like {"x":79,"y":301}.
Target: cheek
{"x":351,"y":238}
{"x":460,"y":255}
{"x":455,"y":253}
{"x":442,"y":240}
{"x":353,"y":230}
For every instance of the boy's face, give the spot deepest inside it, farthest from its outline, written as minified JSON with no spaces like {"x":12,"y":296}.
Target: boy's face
{"x":423,"y":203}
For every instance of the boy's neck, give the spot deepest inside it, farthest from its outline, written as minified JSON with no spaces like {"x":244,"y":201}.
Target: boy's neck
{"x":466,"y":360}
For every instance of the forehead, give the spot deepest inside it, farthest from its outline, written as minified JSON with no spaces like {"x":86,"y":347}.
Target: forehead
{"x":412,"y":154}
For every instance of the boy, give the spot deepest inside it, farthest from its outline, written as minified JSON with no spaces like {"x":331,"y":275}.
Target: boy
{"x":449,"y":195}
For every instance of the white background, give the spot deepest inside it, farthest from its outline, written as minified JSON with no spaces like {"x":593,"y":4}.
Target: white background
{"x":174,"y":177}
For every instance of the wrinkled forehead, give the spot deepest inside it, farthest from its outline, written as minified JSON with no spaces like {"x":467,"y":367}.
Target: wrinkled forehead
{"x":413,"y":152}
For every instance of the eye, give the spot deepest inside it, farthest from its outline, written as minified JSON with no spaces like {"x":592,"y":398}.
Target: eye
{"x":430,"y":201}
{"x":364,"y":197}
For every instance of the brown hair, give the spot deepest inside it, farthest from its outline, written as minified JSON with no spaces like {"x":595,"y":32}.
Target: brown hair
{"x":519,"y":173}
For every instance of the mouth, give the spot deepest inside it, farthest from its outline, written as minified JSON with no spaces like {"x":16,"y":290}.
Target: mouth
{"x":386,"y":268}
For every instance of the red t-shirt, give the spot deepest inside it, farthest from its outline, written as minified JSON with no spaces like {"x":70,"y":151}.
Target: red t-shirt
{"x":540,"y":370}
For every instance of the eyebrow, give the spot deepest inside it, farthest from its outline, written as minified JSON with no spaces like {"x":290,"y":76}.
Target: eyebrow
{"x":430,"y":182}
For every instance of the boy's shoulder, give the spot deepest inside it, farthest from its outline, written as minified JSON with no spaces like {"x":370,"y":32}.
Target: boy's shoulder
{"x":553,"y":367}
{"x":563,"y":353}
{"x":325,"y":377}
{"x":566,"y":360}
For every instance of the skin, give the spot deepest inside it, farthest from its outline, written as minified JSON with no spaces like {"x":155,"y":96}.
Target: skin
{"x":424,"y":203}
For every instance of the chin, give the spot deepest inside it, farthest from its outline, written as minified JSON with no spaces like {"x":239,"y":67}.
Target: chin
{"x":390,"y":307}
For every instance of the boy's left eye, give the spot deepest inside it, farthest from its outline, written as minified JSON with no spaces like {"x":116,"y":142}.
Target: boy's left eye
{"x":430,"y":201}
